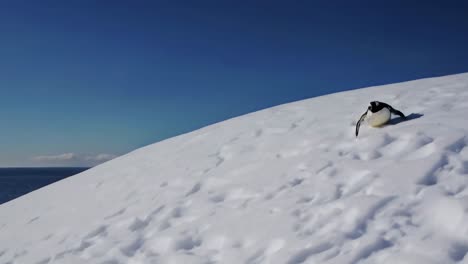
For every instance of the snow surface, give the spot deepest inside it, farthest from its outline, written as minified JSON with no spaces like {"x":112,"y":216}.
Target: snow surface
{"x":289,"y":184}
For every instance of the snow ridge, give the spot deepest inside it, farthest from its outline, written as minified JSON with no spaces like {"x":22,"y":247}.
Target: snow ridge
{"x":289,"y":184}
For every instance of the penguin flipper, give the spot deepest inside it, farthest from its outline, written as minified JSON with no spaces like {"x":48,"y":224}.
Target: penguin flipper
{"x":358,"y":124}
{"x":394,"y":111}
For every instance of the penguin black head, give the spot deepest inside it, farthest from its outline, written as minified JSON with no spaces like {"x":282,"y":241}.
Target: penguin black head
{"x":376,"y":106}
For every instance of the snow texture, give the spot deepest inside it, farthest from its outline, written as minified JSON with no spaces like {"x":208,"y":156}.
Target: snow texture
{"x":290,"y":184}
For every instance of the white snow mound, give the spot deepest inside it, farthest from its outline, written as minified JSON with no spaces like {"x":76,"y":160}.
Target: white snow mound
{"x":290,"y":184}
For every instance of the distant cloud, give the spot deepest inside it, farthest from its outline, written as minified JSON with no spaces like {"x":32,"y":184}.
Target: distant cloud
{"x":61,"y":157}
{"x":73,"y":159}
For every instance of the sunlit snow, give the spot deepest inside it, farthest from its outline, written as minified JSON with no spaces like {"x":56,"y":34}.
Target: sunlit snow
{"x":290,"y":184}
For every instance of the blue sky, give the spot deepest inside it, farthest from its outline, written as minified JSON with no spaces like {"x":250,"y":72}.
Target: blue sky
{"x":83,"y":78}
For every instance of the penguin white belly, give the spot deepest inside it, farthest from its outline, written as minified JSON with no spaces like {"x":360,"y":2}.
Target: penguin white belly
{"x":379,"y":118}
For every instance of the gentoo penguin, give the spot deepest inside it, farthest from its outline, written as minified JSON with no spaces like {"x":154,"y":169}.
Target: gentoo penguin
{"x":377,"y":114}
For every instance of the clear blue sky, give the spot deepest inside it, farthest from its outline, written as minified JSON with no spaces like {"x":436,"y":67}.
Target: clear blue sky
{"x":90,"y":77}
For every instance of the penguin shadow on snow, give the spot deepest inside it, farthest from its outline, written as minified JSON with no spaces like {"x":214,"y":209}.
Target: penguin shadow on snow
{"x":398,"y":120}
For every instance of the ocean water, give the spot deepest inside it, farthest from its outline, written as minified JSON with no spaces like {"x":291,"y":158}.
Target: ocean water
{"x":15,"y":182}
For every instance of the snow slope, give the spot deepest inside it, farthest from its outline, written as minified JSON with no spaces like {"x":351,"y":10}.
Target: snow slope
{"x":289,"y":184}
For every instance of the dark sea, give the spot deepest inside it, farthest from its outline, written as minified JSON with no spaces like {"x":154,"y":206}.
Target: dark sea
{"x":15,"y":182}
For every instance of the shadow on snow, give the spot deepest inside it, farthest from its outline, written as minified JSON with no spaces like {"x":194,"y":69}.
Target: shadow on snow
{"x":408,"y":118}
